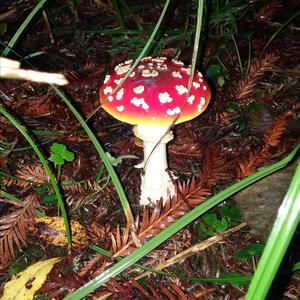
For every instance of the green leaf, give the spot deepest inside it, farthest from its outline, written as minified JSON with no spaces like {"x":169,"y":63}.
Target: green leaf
{"x":57,"y":159}
{"x":214,"y":224}
{"x":217,"y":73}
{"x":230,"y":212}
{"x":253,"y":107}
{"x":250,"y":251}
{"x":50,"y":199}
{"x":69,"y":156}
{"x":58,"y":148}
{"x":234,"y":106}
{"x":60,"y":154}
{"x":42,"y":189}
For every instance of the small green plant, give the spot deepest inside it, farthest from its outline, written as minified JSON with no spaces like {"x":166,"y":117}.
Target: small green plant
{"x":230,"y":212}
{"x":218,"y":73}
{"x":49,"y":199}
{"x":60,"y":155}
{"x":212,"y":224}
{"x":243,"y":117}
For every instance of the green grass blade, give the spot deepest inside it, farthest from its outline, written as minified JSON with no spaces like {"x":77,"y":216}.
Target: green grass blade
{"x":296,"y":267}
{"x":175,"y":227}
{"x":18,"y":200}
{"x":282,"y":232}
{"x":110,"y":169}
{"x":20,"y":30}
{"x":44,"y":162}
{"x":10,"y":196}
{"x":232,"y":278}
{"x":118,"y":14}
{"x":133,"y":16}
{"x":146,"y":48}
{"x":7,"y":175}
{"x":104,"y":158}
{"x":290,"y":19}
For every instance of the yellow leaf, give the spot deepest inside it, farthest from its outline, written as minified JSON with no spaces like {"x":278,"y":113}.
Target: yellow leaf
{"x":52,"y":229}
{"x":26,"y":283}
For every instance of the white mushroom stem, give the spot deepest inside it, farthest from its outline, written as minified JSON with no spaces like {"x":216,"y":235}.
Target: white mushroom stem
{"x":156,"y":182}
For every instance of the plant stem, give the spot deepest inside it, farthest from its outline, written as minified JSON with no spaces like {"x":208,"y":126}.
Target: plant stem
{"x":238,"y":54}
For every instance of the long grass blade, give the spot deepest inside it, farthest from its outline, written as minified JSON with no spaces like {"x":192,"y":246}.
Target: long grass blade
{"x":282,"y":232}
{"x":44,"y":162}
{"x":104,"y":158}
{"x":290,"y":19}
{"x":175,"y":227}
{"x":18,"y":200}
{"x":21,"y":29}
{"x":147,"y":46}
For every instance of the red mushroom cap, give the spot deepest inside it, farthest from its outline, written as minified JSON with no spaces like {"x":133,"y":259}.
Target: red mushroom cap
{"x":155,"y":93}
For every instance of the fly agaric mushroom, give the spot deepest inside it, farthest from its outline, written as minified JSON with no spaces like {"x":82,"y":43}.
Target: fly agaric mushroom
{"x":152,"y":97}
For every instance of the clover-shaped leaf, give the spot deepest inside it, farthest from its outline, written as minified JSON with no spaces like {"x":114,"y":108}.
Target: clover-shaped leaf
{"x":213,"y":224}
{"x":60,"y":154}
{"x":230,"y":212}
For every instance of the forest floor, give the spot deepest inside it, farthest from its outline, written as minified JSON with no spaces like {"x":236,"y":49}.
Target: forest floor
{"x":252,"y":121}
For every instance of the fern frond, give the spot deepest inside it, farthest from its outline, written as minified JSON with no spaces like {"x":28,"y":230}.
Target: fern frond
{"x":274,"y":133}
{"x":35,"y":173}
{"x":256,"y":72}
{"x":14,"y":228}
{"x":188,"y":195}
{"x":134,"y":290}
{"x":248,"y":164}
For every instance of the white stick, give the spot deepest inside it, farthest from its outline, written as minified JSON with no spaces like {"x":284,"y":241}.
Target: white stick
{"x":11,"y":69}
